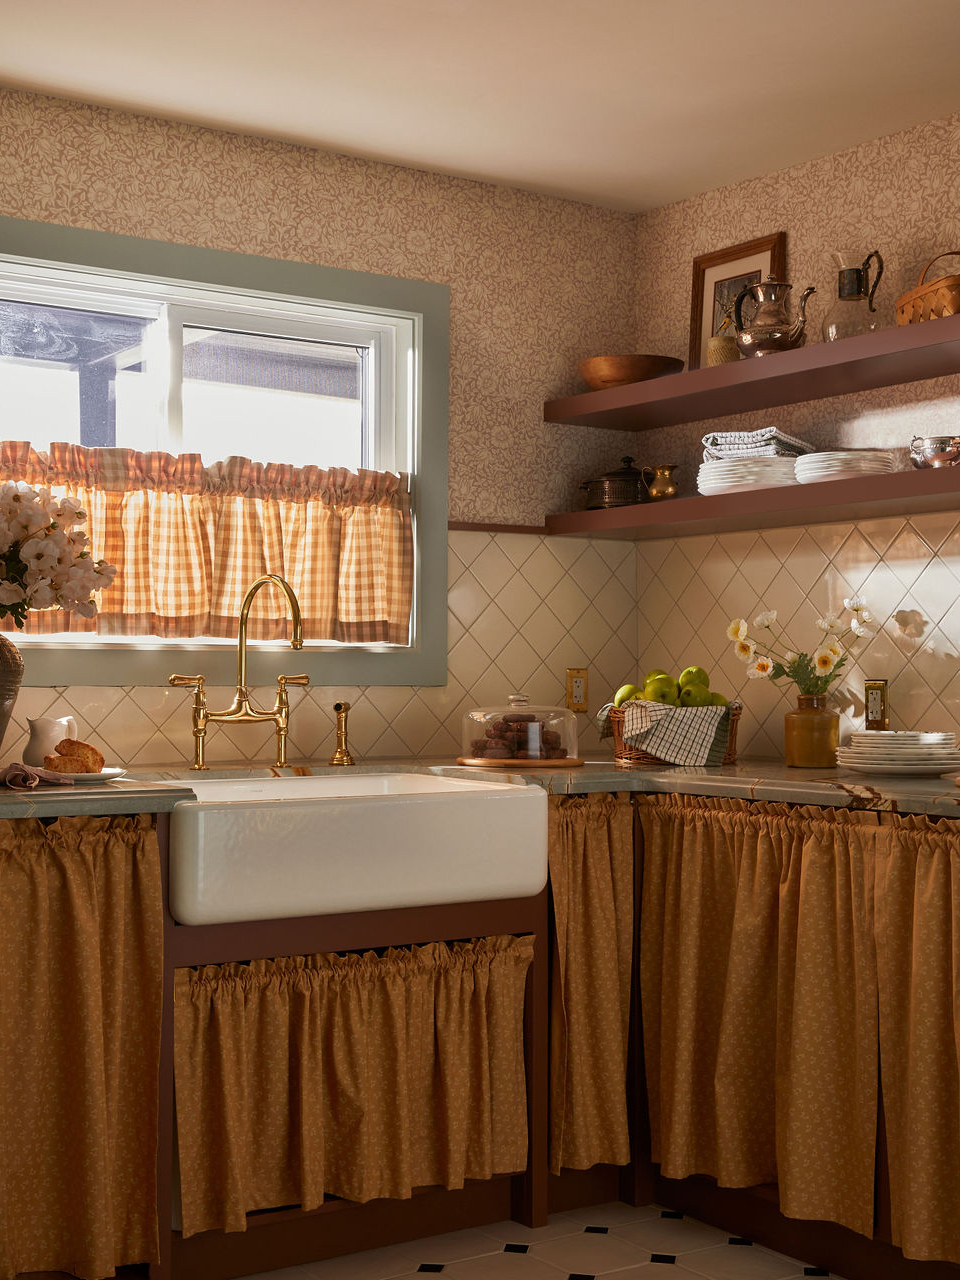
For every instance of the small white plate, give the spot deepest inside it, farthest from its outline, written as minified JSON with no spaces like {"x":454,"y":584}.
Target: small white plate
{"x":93,"y":779}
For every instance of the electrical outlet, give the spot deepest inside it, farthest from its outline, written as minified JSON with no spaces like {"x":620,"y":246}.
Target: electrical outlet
{"x":577,"y":688}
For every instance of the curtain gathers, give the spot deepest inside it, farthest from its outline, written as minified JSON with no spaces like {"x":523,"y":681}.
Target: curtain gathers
{"x":80,"y":998}
{"x":790,"y":957}
{"x":188,"y":541}
{"x":360,"y":1076}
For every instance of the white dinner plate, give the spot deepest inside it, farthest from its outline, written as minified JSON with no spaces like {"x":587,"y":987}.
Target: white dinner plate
{"x":92,"y":779}
{"x":907,"y":770}
{"x":855,"y":455}
{"x":901,"y":735}
{"x":949,"y":761}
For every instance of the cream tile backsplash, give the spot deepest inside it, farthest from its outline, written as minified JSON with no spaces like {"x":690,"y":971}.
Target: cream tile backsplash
{"x":522,"y":609}
{"x":909,"y":571}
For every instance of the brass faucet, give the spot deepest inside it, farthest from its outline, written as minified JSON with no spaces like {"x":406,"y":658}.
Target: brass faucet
{"x":241,"y":710}
{"x":342,"y":754}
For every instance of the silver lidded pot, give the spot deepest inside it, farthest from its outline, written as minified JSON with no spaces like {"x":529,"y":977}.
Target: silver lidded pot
{"x":621,"y":488}
{"x":935,"y":451}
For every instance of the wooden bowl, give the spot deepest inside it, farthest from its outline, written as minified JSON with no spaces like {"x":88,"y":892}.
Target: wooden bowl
{"x":600,"y":372}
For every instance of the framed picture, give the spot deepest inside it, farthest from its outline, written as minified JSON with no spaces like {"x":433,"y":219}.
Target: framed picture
{"x":717,"y":279}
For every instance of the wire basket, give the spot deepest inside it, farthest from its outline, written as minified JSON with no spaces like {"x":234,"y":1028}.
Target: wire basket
{"x":931,"y":300}
{"x":634,"y":757}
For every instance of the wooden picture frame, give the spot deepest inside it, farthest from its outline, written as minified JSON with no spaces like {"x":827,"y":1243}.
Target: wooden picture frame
{"x":719,"y":276}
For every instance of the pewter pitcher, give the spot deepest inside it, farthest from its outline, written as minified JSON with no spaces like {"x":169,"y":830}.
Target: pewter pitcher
{"x":771,"y":328}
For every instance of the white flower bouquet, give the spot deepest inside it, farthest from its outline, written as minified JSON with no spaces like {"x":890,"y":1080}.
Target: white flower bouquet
{"x":812,"y":673}
{"x":44,"y":563}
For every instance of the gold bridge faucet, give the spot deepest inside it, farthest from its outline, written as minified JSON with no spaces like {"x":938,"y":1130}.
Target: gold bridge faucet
{"x":242,"y":710}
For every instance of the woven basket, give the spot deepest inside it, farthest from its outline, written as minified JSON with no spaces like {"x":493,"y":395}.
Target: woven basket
{"x":633,"y":757}
{"x":933,"y":300}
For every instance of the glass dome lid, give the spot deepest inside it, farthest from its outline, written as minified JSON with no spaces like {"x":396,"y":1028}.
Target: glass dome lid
{"x":519,"y":735}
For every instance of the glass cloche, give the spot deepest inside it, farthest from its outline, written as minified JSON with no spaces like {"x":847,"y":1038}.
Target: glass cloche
{"x":519,"y":735}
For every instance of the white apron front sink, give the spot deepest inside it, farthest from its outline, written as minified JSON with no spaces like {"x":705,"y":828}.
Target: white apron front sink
{"x":266,"y":848}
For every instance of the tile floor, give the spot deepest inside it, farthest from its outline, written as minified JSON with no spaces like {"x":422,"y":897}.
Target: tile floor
{"x":604,"y":1240}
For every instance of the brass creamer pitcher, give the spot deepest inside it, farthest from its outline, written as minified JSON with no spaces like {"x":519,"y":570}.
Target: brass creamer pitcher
{"x":771,"y":328}
{"x":662,"y":484}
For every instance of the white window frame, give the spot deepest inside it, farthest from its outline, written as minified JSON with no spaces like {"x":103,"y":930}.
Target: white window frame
{"x":410,"y":323}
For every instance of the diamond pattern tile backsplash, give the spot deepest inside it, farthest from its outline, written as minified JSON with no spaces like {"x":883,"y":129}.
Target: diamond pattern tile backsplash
{"x":523,"y":608}
{"x":908,"y":570}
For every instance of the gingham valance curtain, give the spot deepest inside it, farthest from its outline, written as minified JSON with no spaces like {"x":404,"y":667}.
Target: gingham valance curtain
{"x":188,"y":540}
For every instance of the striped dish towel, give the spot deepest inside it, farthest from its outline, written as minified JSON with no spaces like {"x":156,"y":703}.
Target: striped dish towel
{"x":678,"y":735}
{"x":743,"y":444}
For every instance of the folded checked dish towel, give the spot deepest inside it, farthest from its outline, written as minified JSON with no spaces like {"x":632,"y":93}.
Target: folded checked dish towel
{"x":768,"y":442}
{"x":24,"y":777}
{"x":678,"y":735}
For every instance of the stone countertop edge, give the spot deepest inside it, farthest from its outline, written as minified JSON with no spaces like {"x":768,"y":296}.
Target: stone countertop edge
{"x":157,"y":790}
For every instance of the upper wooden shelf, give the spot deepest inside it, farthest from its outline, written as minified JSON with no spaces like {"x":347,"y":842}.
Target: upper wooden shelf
{"x":908,"y":353}
{"x":897,"y":494}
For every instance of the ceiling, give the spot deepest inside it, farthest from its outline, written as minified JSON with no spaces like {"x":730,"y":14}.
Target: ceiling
{"x":626,"y":103}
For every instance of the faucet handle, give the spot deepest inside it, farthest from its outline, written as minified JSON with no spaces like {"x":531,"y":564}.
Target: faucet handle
{"x":190,"y":682}
{"x":282,"y":680}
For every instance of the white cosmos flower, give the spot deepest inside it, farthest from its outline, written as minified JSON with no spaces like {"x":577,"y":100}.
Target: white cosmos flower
{"x":860,"y":629}
{"x":834,"y":646}
{"x":855,"y":603}
{"x":737,"y":629}
{"x":830,"y":622}
{"x":824,"y":660}
{"x":765,"y":619}
{"x":761,"y":668}
{"x":745,"y":649}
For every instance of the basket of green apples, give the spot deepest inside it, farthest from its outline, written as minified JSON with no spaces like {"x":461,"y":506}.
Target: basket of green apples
{"x":690,"y":689}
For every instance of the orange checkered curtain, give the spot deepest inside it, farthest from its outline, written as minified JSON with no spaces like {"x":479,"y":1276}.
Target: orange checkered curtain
{"x":188,"y":540}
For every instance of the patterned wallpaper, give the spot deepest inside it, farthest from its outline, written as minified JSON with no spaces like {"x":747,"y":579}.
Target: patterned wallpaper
{"x":537,"y":283}
{"x":895,"y":194}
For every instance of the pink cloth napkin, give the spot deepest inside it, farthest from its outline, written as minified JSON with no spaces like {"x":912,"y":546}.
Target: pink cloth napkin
{"x":24,"y":777}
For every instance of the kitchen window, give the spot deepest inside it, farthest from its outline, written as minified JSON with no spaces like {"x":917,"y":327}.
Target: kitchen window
{"x":309,"y":423}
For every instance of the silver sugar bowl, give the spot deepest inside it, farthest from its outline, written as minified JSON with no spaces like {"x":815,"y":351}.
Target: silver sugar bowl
{"x":935,"y":451}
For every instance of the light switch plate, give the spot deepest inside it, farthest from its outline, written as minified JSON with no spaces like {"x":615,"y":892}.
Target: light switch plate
{"x":577,"y":688}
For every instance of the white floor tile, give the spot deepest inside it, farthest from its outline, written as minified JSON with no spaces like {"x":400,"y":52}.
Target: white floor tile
{"x":589,"y":1254}
{"x":371,"y":1264}
{"x":500,"y":1266}
{"x":739,"y":1262}
{"x":558,"y":1224}
{"x":453,"y":1247}
{"x":677,"y":1236}
{"x":613,"y":1214}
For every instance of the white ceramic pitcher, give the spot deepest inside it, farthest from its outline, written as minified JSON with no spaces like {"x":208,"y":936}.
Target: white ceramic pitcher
{"x":45,"y":733}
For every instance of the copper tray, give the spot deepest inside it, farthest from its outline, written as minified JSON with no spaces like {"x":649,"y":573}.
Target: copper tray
{"x":519,"y":766}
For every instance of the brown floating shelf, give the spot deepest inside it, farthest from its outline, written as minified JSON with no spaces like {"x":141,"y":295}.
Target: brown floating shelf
{"x":900,"y":493}
{"x":908,"y":353}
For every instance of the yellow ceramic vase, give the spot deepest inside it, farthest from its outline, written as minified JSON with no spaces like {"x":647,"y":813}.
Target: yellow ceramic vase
{"x":811,"y":734}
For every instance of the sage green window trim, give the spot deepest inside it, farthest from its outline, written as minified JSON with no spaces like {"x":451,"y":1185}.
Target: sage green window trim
{"x":89,"y":662}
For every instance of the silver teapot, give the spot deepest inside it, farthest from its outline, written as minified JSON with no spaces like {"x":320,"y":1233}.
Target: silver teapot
{"x":771,"y":328}
{"x":935,"y":451}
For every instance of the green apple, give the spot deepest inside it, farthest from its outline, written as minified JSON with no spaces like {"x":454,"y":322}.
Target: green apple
{"x":661,"y":688}
{"x":651,"y":675}
{"x":625,"y":693}
{"x":695,"y":695}
{"x":694,"y":675}
{"x":718,"y":700}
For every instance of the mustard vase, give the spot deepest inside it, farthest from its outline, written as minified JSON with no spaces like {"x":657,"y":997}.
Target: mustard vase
{"x":811,"y":734}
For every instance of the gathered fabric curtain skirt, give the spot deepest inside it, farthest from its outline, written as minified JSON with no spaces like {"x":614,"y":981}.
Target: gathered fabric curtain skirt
{"x":81,"y":977}
{"x":793,"y":958}
{"x":358,"y":1076}
{"x":591,"y":885}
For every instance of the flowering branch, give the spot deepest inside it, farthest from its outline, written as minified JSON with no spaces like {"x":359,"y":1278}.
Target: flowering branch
{"x":44,"y":563}
{"x":812,"y":673}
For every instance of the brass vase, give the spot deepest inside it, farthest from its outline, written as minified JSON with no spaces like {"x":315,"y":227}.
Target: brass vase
{"x":11,"y":677}
{"x":811,"y":734}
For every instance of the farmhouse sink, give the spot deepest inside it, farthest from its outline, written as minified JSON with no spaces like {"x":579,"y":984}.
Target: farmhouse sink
{"x":267,"y":848}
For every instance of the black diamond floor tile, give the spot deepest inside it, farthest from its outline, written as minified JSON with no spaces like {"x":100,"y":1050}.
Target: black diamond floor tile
{"x":430,"y":1266}
{"x":739,"y":1240}
{"x":515,"y":1248}
{"x":596,"y":1231}
{"x":670,"y":1213}
{"x":663,"y":1257}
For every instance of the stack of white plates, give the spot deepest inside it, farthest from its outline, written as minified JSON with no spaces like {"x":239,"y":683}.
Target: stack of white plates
{"x":730,"y":475}
{"x":843,"y":463}
{"x":892,"y":752}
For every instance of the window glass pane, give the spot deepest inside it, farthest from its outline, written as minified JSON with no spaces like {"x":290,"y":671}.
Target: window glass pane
{"x":272,"y":399}
{"x":58,"y":372}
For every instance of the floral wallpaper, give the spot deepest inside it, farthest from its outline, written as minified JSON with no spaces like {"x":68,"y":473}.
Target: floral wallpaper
{"x":537,"y":283}
{"x":895,"y":194}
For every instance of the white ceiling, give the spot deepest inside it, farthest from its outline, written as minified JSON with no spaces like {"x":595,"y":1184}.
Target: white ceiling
{"x":627,"y":103}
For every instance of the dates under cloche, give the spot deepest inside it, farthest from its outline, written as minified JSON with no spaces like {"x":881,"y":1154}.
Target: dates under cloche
{"x":519,"y":736}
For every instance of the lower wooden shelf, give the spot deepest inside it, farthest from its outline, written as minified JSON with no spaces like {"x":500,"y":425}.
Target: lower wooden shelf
{"x":867,"y":497}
